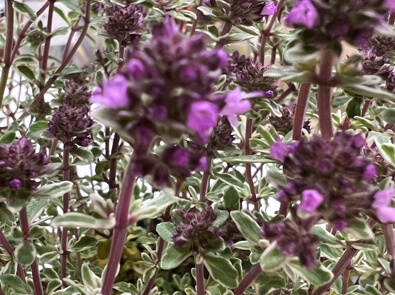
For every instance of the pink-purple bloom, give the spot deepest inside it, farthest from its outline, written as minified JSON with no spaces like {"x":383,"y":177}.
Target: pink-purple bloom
{"x":15,"y":184}
{"x":303,"y":14}
{"x":311,"y":199}
{"x":235,"y":105}
{"x":279,"y":151}
{"x":113,"y":94}
{"x":370,"y":173}
{"x":269,"y":9}
{"x":202,"y":118}
{"x":382,"y":204}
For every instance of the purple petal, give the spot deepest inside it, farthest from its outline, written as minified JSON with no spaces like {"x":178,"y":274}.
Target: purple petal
{"x":304,"y":14}
{"x":386,"y":214}
{"x":311,"y":199}
{"x":383,"y":198}
{"x":202,"y":118}
{"x":279,"y":151}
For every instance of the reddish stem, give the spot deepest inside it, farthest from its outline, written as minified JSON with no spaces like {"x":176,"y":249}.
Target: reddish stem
{"x":74,"y":29}
{"x":10,"y":251}
{"x":66,"y":200}
{"x":248,"y":151}
{"x":120,"y":229}
{"x":365,"y":108}
{"x":226,"y":29}
{"x":200,"y":288}
{"x":198,"y":15}
{"x":205,"y":180}
{"x":113,"y":162}
{"x":388,"y":232}
{"x":301,"y":111}
{"x":248,"y":279}
{"x":47,"y":45}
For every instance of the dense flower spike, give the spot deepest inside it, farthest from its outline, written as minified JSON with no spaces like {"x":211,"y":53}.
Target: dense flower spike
{"x":284,"y":124}
{"x":124,"y":23}
{"x":293,"y":240}
{"x":76,"y":95}
{"x":72,"y":125}
{"x":248,"y":75}
{"x":20,"y":165}
{"x":326,"y":21}
{"x":197,"y":231}
{"x":168,"y":86}
{"x":331,"y":177}
{"x":244,"y":12}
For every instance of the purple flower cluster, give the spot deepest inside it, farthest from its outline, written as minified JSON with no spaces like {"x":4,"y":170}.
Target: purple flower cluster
{"x":124,"y":23}
{"x":20,"y":165}
{"x":244,"y":12}
{"x":175,"y":161}
{"x":331,"y":178}
{"x":72,"y":125}
{"x":284,"y":124}
{"x":168,"y":87}
{"x":248,"y":75}
{"x":197,"y":231}
{"x":293,"y":240}
{"x":353,"y":20}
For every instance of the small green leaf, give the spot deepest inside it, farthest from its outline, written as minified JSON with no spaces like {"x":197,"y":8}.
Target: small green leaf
{"x":85,"y":242}
{"x":247,"y":227}
{"x":25,"y":253}
{"x":34,"y":208}
{"x":53,"y":285}
{"x":230,"y":179}
{"x":36,"y":129}
{"x":54,"y":190}
{"x":221,"y":270}
{"x":25,"y":10}
{"x":354,"y":107}
{"x":388,"y":115}
{"x":165,"y":230}
{"x":173,"y":257}
{"x":360,"y":230}
{"x":317,"y":277}
{"x":271,"y":259}
{"x":74,"y":219}
{"x":153,"y":207}
{"x":10,"y":281}
{"x":8,"y":137}
{"x":89,"y":279}
{"x":232,"y":199}
{"x":83,"y":154}
{"x":27,"y":72}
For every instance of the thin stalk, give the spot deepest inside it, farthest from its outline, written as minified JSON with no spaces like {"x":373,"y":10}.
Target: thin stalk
{"x":266,"y":32}
{"x":66,"y":201}
{"x":300,"y":111}
{"x":205,"y":180}
{"x":24,"y":222}
{"x":113,"y":163}
{"x":198,"y":15}
{"x":7,"y":49}
{"x":200,"y":288}
{"x":47,"y":44}
{"x":324,"y":96}
{"x":10,"y":252}
{"x":121,"y":56}
{"x":226,"y":29}
{"x":120,"y":229}
{"x":74,"y":29}
{"x":365,"y":108}
{"x":339,"y":268}
{"x":248,"y":151}
{"x":345,"y":279}
{"x":391,"y":19}
{"x":248,"y":279}
{"x":388,"y":232}
{"x":49,"y":83}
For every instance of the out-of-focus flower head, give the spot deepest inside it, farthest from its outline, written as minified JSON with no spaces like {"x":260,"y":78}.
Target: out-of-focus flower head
{"x":20,"y":165}
{"x":170,"y":85}
{"x":197,"y":231}
{"x":331,"y":177}
{"x":76,"y":95}
{"x":293,"y":240}
{"x":72,"y":125}
{"x":124,"y":23}
{"x":353,"y":21}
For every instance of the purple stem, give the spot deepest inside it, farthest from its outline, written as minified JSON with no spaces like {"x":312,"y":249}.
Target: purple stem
{"x":74,"y":28}
{"x":66,"y":200}
{"x":113,"y":162}
{"x":300,"y":111}
{"x":324,"y":96}
{"x":391,"y":19}
{"x":198,"y":15}
{"x":205,"y":180}
{"x":47,"y":44}
{"x":388,"y":232}
{"x":200,"y":288}
{"x":120,"y":229}
{"x":365,"y":108}
{"x":248,"y":279}
{"x":248,"y":151}
{"x":226,"y":29}
{"x":34,"y":267}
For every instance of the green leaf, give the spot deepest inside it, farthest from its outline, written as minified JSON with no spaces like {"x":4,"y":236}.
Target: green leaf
{"x":317,"y":277}
{"x":25,"y":10}
{"x":269,"y":282}
{"x":354,"y":107}
{"x":25,"y":253}
{"x":89,"y":279}
{"x":153,"y":207}
{"x":387,"y":150}
{"x":230,"y":179}
{"x":271,"y":259}
{"x":54,"y":190}
{"x":27,"y":72}
{"x":61,"y":14}
{"x":368,"y":91}
{"x":360,"y":229}
{"x":165,"y":230}
{"x":53,"y":285}
{"x":85,"y":242}
{"x":221,"y":270}
{"x":247,"y":227}
{"x":326,"y":237}
{"x":173,"y":257}
{"x":34,"y":209}
{"x":74,"y":219}
{"x":388,"y":115}
{"x":232,"y":199}
{"x":8,"y":137}
{"x":9,"y":281}
{"x":247,"y":159}
{"x":83,"y":154}
{"x":36,"y":129}
{"x":222,"y":216}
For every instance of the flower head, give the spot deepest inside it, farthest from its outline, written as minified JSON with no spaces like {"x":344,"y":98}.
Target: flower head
{"x":202,"y":118}
{"x":279,"y":151}
{"x":235,"y":105}
{"x":311,"y":199}
{"x":303,"y":14}
{"x":112,"y":94}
